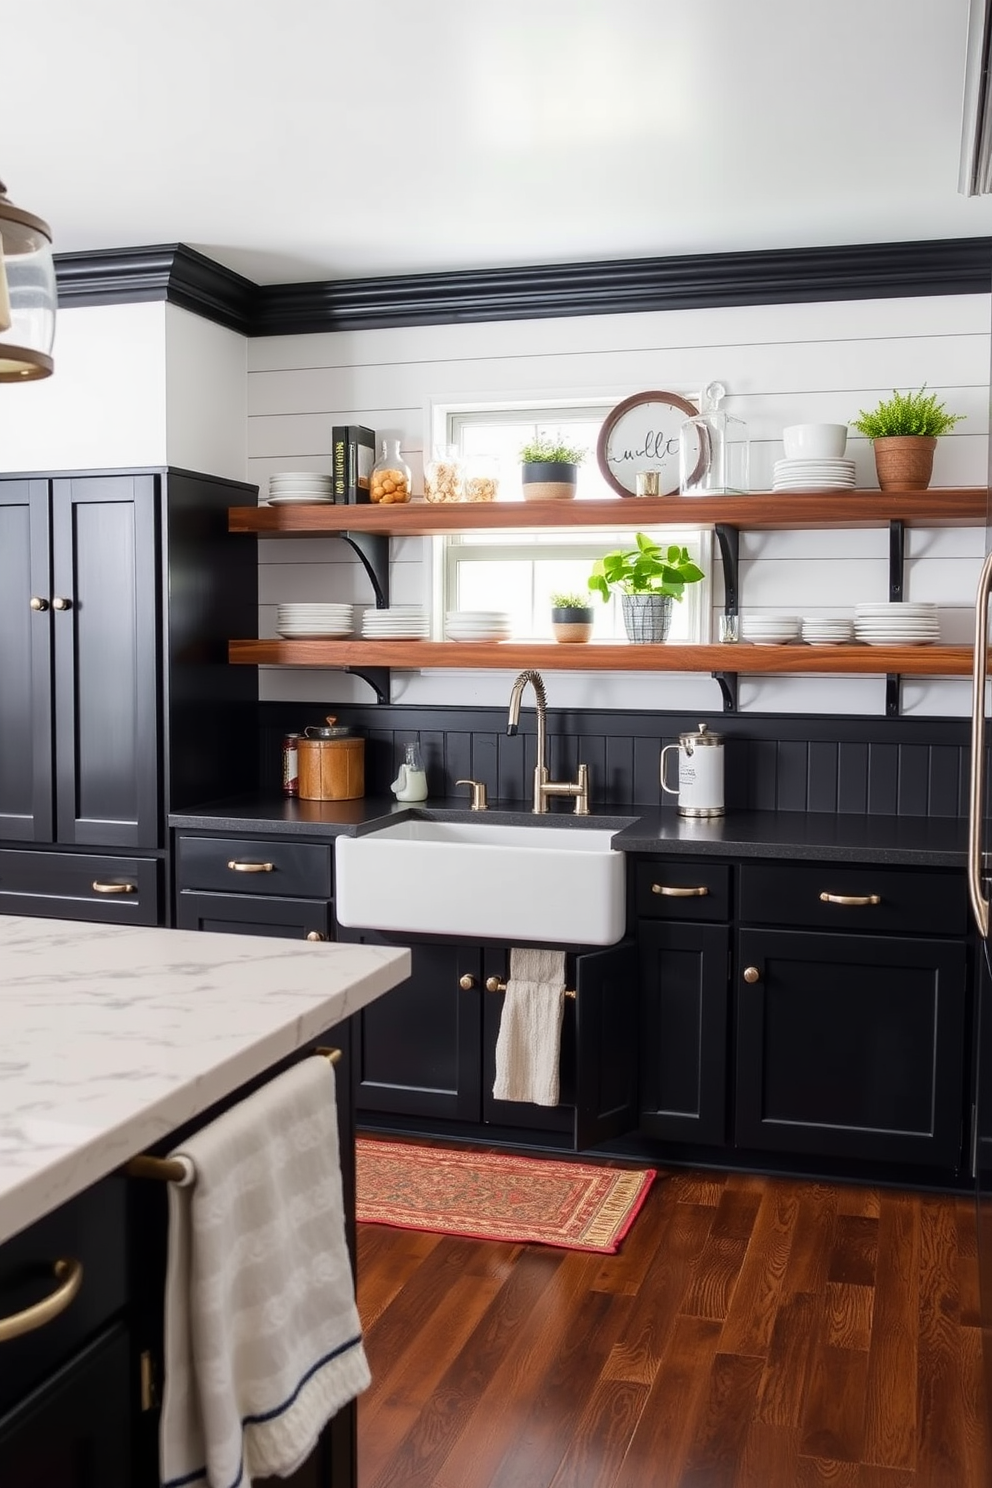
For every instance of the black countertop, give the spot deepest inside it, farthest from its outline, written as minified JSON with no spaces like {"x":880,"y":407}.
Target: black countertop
{"x":900,"y":841}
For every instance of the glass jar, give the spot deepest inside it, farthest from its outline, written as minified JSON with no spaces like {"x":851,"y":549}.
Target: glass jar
{"x":390,"y":480}
{"x":481,"y":478}
{"x":713,"y":450}
{"x":444,"y":475}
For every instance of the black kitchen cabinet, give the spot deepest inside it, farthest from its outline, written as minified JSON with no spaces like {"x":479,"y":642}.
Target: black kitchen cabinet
{"x":254,"y":886}
{"x":117,"y":594}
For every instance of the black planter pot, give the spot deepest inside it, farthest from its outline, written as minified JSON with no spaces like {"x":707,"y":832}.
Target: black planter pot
{"x":572,"y":623}
{"x":548,"y":480}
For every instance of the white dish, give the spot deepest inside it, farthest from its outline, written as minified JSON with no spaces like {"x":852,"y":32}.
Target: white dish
{"x":300,"y":501}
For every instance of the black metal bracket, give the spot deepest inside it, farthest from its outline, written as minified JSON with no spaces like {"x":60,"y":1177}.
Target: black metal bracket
{"x":897,"y":567}
{"x":729,"y":539}
{"x":376,"y":677}
{"x":728,"y":686}
{"x":372,"y":549}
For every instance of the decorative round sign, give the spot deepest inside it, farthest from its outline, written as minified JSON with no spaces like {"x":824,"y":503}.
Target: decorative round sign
{"x":642,"y":433}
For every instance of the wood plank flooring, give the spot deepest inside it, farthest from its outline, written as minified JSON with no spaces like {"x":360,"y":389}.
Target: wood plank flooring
{"x":752,"y":1333}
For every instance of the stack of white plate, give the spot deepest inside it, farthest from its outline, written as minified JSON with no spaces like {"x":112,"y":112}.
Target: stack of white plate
{"x":477,"y":625}
{"x":827,"y":630}
{"x":897,"y":624}
{"x":398,"y":623}
{"x":299,"y":487}
{"x":770,"y":630}
{"x":826,"y":474}
{"x":297,"y":621}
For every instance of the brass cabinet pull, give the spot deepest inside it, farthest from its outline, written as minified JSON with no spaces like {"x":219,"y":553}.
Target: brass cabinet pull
{"x":59,"y":603}
{"x":496,"y":984}
{"x":69,"y":1273}
{"x":37,"y":603}
{"x":752,"y":974}
{"x":467,"y":982}
{"x":855,"y":899}
{"x":671,"y":892}
{"x":237,"y":867}
{"x":113,"y":888}
{"x":315,"y":935}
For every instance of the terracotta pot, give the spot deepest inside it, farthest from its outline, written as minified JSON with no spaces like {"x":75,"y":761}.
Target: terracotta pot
{"x":904,"y":462}
{"x":571,"y":624}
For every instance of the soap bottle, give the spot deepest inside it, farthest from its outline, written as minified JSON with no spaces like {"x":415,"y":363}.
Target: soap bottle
{"x":411,"y":782}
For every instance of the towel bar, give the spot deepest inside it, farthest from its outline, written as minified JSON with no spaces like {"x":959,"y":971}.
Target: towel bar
{"x":496,"y":984}
{"x":173,"y":1169}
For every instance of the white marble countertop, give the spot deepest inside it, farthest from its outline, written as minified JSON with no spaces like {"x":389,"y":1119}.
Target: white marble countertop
{"x":113,"y":1036}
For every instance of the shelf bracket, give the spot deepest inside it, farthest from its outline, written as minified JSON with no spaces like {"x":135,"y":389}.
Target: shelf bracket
{"x":897,"y":567}
{"x":729,"y":539}
{"x":893,"y":691}
{"x":372,"y":550}
{"x":728,"y":686}
{"x":376,"y":677}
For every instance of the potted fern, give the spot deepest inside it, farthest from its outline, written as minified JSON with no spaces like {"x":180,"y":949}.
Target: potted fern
{"x":649,"y":579}
{"x":904,"y":430}
{"x":549,"y":469}
{"x":571,"y":618}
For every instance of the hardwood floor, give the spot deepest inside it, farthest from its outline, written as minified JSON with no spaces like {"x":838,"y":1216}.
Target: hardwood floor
{"x":752,"y":1333}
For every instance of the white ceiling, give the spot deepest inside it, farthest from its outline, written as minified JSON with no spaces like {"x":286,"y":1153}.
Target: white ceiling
{"x":310,"y":139}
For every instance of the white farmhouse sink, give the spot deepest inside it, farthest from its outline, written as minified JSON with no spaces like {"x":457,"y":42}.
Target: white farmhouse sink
{"x":523,"y":883}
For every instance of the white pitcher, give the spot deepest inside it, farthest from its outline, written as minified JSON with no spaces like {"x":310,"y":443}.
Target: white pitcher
{"x":700,"y":787}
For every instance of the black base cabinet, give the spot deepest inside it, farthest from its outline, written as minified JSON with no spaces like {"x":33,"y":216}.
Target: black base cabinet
{"x":254,"y":886}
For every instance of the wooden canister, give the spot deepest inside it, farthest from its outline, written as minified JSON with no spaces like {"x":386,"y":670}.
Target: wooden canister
{"x":332,"y":764}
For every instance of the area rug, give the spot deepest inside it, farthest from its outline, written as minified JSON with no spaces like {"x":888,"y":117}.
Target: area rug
{"x":495,"y":1196}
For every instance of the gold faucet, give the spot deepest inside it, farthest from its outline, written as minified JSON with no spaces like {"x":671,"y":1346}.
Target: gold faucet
{"x":543,"y":787}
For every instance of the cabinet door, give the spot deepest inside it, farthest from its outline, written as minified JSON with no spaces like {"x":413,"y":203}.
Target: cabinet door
{"x":684,"y":987}
{"x":851,"y":1045}
{"x":418,"y":1048}
{"x":75,"y":1430}
{"x":105,"y":594}
{"x":25,"y":663}
{"x":605,"y":1039}
{"x":524,"y":1116}
{"x":254,"y":914}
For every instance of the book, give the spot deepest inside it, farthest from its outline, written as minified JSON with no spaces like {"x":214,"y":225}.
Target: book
{"x":352,"y":458}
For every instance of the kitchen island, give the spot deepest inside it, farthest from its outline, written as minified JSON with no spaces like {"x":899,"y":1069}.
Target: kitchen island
{"x":113,"y":1039}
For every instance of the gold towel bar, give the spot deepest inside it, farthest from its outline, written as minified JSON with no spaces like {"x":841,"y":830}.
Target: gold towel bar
{"x":173,"y":1169}
{"x":496,"y":984}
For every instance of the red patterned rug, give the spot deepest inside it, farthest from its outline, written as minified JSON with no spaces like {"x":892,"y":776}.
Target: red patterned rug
{"x":494,"y":1196}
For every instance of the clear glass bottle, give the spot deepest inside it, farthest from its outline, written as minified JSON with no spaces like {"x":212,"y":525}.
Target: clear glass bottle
{"x":713,"y":450}
{"x":481,"y":478}
{"x":444,"y":475}
{"x":390,"y":480}
{"x":411,"y":781}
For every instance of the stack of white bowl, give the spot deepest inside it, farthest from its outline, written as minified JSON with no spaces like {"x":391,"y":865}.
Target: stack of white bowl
{"x":398,"y":623}
{"x":897,"y":624}
{"x":770,"y":630}
{"x":300,"y":488}
{"x":814,"y":459}
{"x":827,"y":630}
{"x":477,"y":625}
{"x":298,"y":621}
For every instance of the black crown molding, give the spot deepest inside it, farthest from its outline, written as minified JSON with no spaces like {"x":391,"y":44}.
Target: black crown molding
{"x":184,"y":277}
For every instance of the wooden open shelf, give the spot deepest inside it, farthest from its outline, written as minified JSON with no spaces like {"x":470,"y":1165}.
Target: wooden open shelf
{"x":947,"y":507}
{"x":910,"y":661}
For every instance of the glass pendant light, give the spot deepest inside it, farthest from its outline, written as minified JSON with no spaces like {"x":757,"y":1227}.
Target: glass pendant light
{"x":28,"y":294}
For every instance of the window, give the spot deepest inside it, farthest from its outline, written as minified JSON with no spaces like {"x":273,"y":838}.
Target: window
{"x":519,"y":571}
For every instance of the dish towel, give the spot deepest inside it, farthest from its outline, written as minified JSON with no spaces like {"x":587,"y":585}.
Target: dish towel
{"x":262,"y":1338}
{"x":530,"y":1028}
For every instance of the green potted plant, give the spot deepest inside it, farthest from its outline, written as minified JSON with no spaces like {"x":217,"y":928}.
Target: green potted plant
{"x":549,"y":469}
{"x":904,"y":430}
{"x":571,"y":618}
{"x":649,"y":579}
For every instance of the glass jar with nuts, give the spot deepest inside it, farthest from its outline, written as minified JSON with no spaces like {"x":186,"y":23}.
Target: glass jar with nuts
{"x":481,"y":478}
{"x":444,"y":475}
{"x":389,"y":482}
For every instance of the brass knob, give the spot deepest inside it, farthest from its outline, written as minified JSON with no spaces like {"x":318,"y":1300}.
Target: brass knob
{"x":37,"y":603}
{"x":494,"y":984}
{"x":58,"y":603}
{"x":752,"y":974}
{"x":113,"y":888}
{"x":467,"y":982}
{"x":316,"y":935}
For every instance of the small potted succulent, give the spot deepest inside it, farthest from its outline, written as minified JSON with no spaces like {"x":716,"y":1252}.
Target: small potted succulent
{"x":649,"y":579}
{"x":549,"y":469}
{"x":904,"y":430}
{"x":571,"y":618}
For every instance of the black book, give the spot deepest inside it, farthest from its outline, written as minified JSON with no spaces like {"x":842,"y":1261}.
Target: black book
{"x":352,"y":458}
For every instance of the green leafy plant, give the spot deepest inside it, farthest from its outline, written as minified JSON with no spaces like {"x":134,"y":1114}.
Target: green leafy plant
{"x":569,"y":601}
{"x":646,"y":569}
{"x":906,"y":413}
{"x":544,"y":451}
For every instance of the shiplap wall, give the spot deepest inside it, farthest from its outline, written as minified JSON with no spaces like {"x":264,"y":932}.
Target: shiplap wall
{"x":781,"y":364}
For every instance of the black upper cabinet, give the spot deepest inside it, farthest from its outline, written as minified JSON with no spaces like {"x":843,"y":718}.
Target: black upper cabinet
{"x":26,"y":779}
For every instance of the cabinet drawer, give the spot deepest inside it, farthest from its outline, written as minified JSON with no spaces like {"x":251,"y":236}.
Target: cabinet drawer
{"x":89,"y":1229}
{"x":297,"y":868}
{"x":663,"y":889}
{"x":254,"y":914}
{"x":81,"y":886}
{"x":909,"y":901}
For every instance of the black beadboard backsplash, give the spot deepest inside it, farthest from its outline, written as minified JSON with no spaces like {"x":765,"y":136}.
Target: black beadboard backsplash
{"x":861,"y":766}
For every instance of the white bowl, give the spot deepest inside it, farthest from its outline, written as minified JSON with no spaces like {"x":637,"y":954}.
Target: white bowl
{"x":815,"y":441}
